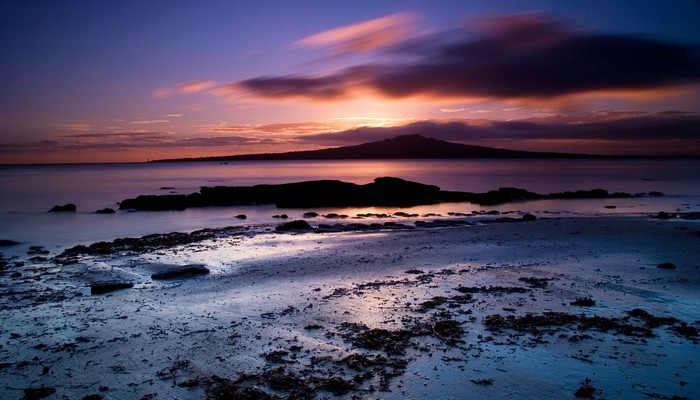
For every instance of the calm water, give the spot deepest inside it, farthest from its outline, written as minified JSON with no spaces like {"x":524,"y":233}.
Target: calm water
{"x":29,"y":191}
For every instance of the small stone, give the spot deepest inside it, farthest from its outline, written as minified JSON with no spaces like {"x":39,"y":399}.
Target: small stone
{"x":529,"y":217}
{"x":38,"y":393}
{"x":666,"y":265}
{"x":106,"y":287}
{"x":664,"y":215}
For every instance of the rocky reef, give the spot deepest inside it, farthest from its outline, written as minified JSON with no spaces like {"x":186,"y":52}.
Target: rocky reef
{"x":383,"y":192}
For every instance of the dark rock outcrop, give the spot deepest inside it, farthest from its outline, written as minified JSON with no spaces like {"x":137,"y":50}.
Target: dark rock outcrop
{"x":383,"y":192}
{"x":180,"y":271}
{"x":589,"y":194}
{"x":106,"y":210}
{"x":159,"y":203}
{"x":63,"y":208}
{"x":7,"y":242}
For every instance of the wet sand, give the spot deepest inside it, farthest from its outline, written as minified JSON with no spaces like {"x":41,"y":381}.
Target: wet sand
{"x":552,"y":308}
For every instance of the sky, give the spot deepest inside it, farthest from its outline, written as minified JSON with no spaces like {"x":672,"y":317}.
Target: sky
{"x":131,"y":81}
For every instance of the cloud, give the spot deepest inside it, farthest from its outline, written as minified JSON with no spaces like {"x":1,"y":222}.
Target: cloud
{"x":513,"y":57}
{"x":366,"y":36}
{"x":150,"y":121}
{"x":317,"y":88}
{"x":184,"y":88}
{"x":295,"y":128}
{"x":131,"y":135}
{"x":79,"y":127}
{"x":126,"y":141}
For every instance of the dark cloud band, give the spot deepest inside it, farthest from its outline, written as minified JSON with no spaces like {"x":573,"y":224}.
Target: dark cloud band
{"x":516,"y":58}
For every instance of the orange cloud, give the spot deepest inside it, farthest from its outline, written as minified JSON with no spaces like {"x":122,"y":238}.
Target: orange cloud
{"x":365,"y":36}
{"x":184,"y":88}
{"x":291,"y":128}
{"x":150,"y":121}
{"x":79,"y":127}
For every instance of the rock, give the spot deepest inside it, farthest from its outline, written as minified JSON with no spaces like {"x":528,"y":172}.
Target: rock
{"x":241,"y":216}
{"x":656,"y":194}
{"x":529,"y":217}
{"x":7,"y":242}
{"x":297,"y":225}
{"x":38,"y":393}
{"x":106,"y":210}
{"x":63,"y":208}
{"x":181,"y":271}
{"x":158,"y":203}
{"x":280,"y":216}
{"x":588,"y":194}
{"x":383,"y":192}
{"x":106,"y":287}
{"x":666,"y":265}
{"x":310,"y":215}
{"x":583,"y":302}
{"x":664,"y":215}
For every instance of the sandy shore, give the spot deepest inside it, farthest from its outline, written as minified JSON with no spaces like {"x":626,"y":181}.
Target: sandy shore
{"x":552,"y":308}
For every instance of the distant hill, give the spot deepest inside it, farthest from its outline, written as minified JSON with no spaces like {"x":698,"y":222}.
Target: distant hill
{"x":400,"y":147}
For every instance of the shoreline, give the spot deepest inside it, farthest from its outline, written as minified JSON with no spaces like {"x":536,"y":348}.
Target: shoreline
{"x":355,"y":313}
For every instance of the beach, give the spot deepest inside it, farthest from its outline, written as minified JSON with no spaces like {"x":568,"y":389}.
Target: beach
{"x":564,"y":307}
{"x":309,"y":201}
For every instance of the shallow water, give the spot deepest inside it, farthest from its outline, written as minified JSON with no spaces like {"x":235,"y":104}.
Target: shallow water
{"x":29,"y":191}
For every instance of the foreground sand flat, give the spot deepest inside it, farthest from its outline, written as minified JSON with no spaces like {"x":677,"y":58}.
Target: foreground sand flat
{"x":553,"y":308}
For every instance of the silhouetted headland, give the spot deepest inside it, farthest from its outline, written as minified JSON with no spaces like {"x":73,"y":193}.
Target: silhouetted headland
{"x":400,"y":147}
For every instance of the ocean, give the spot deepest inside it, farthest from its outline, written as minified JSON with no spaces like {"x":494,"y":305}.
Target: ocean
{"x":29,"y":191}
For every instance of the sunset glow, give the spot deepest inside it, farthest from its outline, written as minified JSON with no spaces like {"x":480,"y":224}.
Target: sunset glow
{"x":113,"y":82}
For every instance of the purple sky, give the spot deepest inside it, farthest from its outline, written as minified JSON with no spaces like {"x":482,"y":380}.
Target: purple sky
{"x":87,"y":81}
